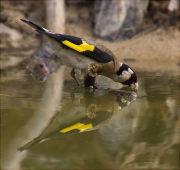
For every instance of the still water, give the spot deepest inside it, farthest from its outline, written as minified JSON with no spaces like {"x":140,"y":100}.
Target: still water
{"x":58,"y":126}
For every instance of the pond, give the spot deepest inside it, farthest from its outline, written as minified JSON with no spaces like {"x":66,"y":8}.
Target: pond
{"x":58,"y":126}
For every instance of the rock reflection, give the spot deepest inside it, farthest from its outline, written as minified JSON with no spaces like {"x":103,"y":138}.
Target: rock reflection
{"x":38,"y":69}
{"x":43,"y":62}
{"x":89,"y":112}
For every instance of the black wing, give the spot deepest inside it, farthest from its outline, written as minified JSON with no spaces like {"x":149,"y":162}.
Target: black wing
{"x":75,"y":43}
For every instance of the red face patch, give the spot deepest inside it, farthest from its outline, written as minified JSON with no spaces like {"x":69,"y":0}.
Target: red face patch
{"x":135,"y":76}
{"x":131,"y":80}
{"x":127,"y":82}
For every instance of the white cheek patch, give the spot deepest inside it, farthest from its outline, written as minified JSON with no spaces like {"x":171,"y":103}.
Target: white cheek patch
{"x":124,"y":76}
{"x":130,"y":71}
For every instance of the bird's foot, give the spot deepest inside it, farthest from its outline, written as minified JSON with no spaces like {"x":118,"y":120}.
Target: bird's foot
{"x":92,"y":69}
{"x":80,"y":85}
{"x":94,"y":87}
{"x":97,"y":85}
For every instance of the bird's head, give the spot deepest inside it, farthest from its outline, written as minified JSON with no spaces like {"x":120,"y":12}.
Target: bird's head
{"x":127,"y":76}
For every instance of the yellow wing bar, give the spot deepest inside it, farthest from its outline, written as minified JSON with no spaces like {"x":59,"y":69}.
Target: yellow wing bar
{"x":80,"y":48}
{"x":78,"y":126}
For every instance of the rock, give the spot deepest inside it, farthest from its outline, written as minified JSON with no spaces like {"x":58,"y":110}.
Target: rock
{"x":10,"y":62}
{"x":10,"y":36}
{"x":164,"y":13}
{"x":14,"y":34}
{"x":13,"y":11}
{"x":173,"y":5}
{"x":118,"y":19}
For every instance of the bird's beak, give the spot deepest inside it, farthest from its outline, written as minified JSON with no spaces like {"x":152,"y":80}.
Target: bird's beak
{"x":135,"y":86}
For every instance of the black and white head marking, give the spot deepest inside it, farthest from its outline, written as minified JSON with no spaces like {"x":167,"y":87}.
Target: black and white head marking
{"x":126,"y":75}
{"x":123,"y":68}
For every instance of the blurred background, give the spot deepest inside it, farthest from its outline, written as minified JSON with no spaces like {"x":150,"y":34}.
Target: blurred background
{"x":141,"y":33}
{"x":146,"y":31}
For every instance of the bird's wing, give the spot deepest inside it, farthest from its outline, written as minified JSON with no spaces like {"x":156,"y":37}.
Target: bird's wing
{"x":35,"y":26}
{"x":77,"y":44}
{"x":81,"y":46}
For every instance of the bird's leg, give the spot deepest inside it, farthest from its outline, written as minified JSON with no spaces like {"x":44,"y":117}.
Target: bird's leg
{"x":89,"y":81}
{"x":78,"y":72}
{"x":91,"y":75}
{"x":73,"y":76}
{"x":72,"y":95}
{"x":92,"y":69}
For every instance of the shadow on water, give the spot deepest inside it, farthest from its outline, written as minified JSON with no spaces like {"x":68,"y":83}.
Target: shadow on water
{"x":91,"y":111}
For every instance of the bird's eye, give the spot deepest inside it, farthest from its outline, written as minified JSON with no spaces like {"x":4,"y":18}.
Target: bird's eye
{"x":133,"y":78}
{"x":41,"y":65}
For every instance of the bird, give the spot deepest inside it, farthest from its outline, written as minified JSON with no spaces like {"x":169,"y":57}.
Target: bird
{"x":88,"y":56}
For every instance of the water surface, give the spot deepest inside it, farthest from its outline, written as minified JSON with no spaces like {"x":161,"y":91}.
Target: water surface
{"x":58,"y":126}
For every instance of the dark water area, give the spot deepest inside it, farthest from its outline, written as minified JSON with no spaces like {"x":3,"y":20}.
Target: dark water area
{"x":58,"y":126}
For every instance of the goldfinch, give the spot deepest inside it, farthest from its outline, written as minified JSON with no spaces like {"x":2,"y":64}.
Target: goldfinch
{"x":88,"y":56}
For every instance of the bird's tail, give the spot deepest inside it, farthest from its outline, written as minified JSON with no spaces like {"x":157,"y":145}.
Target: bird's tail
{"x":37,"y":27}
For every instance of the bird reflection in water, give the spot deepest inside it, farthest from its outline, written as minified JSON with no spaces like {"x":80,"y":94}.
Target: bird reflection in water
{"x":89,"y":112}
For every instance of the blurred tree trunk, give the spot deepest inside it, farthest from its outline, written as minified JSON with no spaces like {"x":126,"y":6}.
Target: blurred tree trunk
{"x":55,"y":16}
{"x":55,"y":22}
{"x":118,"y":19}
